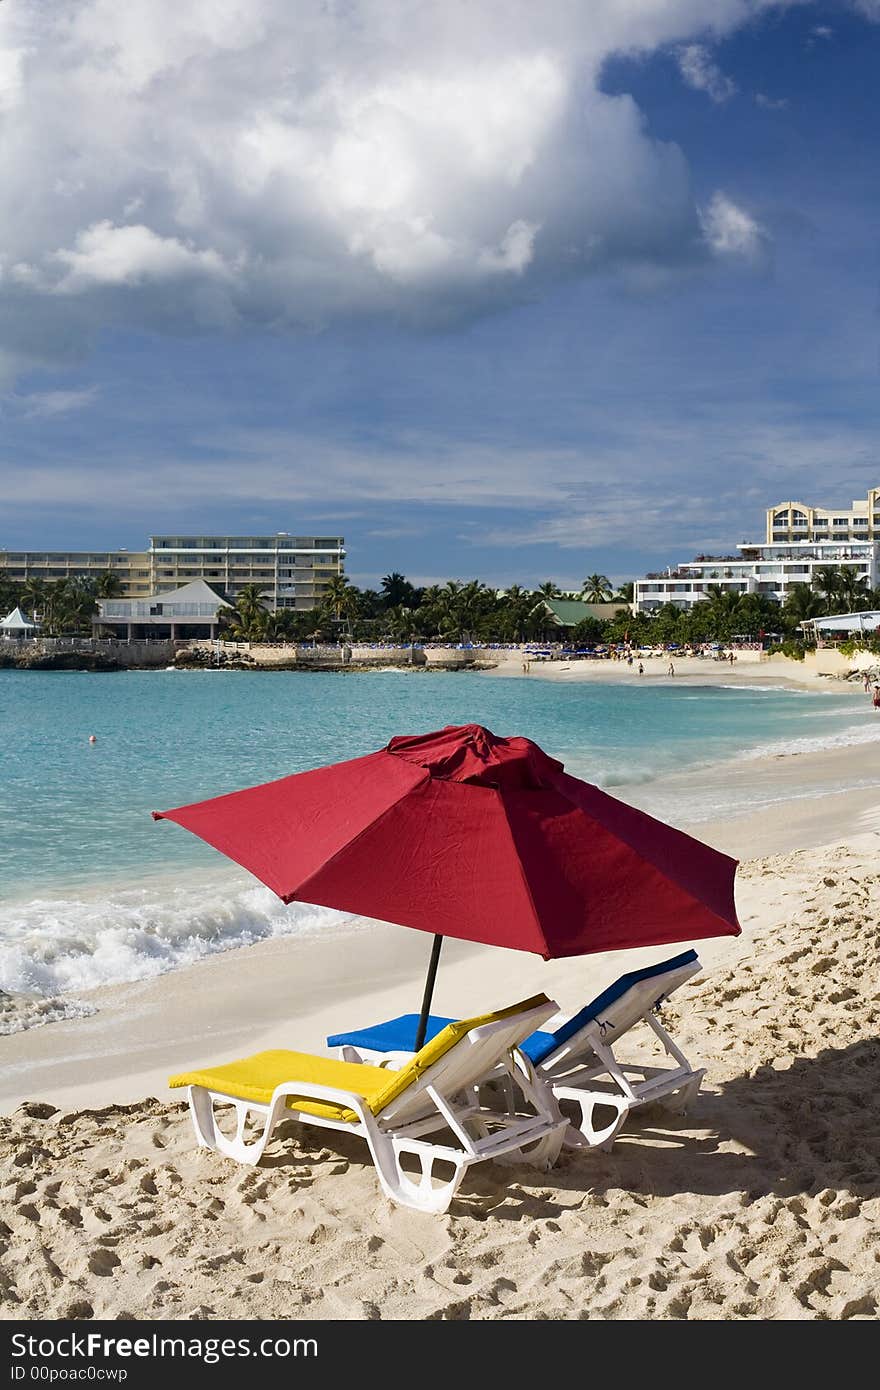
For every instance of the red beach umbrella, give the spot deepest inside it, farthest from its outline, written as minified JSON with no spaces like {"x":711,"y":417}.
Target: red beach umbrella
{"x":463,"y":833}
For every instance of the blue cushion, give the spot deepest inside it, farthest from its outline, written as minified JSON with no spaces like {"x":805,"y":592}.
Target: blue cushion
{"x":609,"y":996}
{"x":399,"y":1034}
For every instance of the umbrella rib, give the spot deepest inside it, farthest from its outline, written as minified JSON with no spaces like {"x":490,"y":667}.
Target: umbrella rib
{"x":522,"y":874}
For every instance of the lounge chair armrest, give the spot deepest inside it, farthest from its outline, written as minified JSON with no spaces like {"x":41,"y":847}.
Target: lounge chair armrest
{"x":311,"y":1090}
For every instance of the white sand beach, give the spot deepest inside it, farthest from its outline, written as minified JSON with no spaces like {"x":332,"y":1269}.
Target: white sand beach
{"x":748,"y":669}
{"x":762,"y":1203}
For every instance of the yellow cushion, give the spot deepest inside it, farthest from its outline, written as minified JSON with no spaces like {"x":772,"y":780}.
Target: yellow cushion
{"x":255,"y":1078}
{"x":434,"y":1050}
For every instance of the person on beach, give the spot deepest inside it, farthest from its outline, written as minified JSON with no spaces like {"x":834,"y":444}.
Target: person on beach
{"x":671,"y":670}
{"x":641,"y":669}
{"x":876,"y":700}
{"x":867,"y":682}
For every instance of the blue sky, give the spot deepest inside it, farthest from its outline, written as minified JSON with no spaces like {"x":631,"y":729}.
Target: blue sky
{"x":493,"y":290}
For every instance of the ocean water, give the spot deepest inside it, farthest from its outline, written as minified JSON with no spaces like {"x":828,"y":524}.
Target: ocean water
{"x":93,"y":891}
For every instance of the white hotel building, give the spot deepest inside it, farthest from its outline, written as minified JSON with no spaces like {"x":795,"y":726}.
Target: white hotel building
{"x":799,"y":541}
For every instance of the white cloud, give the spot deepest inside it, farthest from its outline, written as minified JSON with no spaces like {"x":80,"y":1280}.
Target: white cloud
{"x":822,"y":31}
{"x":770,"y":103}
{"x":11,"y":60}
{"x":108,"y":255}
{"x":700,"y":71}
{"x":569,"y":498}
{"x":38,"y":405}
{"x":730,"y":231}
{"x":287,"y":164}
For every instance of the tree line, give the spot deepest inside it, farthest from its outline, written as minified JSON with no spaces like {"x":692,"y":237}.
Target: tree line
{"x":62,"y":606}
{"x":402,"y":612}
{"x":471,"y":611}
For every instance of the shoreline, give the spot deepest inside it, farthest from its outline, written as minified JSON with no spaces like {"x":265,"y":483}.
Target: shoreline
{"x":750,"y":668}
{"x":293,"y":990}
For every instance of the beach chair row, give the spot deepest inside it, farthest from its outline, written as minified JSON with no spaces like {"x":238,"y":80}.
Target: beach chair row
{"x":513,"y":1085}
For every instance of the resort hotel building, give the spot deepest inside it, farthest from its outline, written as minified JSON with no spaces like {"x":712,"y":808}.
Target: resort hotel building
{"x":293,"y":571}
{"x":799,"y":541}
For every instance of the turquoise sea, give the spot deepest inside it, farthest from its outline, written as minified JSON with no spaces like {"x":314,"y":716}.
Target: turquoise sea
{"x":93,"y":891}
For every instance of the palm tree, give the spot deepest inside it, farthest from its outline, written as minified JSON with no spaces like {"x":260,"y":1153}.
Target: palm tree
{"x":801,"y":603}
{"x":397,"y":591}
{"x":68,"y":606}
{"x":339,"y":598}
{"x":548,"y":589}
{"x":625,"y":592}
{"x":34,"y":594}
{"x":400,"y":623}
{"x":340,"y":602}
{"x":724,"y":609}
{"x":250,"y":612}
{"x":249,"y":601}
{"x":854,"y":591}
{"x":827,"y":582}
{"x":597,"y":588}
{"x":109,"y":585}
{"x":516,"y":612}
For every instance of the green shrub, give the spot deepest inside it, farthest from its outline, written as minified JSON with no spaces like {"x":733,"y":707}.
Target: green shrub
{"x":792,"y":647}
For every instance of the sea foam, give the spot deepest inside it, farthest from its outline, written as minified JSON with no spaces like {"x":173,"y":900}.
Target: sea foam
{"x":58,"y":945}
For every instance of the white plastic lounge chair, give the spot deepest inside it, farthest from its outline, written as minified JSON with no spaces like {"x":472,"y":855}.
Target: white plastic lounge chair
{"x":577,"y":1060}
{"x":398,"y":1112}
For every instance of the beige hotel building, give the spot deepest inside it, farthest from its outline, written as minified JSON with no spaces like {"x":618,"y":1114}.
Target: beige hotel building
{"x":293,"y":570}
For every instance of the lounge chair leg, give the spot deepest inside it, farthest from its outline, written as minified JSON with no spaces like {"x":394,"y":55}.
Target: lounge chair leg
{"x":201,"y":1111}
{"x":585,"y":1134}
{"x":420,"y":1195}
{"x":680,"y":1101}
{"x":542,"y":1154}
{"x":210,"y":1136}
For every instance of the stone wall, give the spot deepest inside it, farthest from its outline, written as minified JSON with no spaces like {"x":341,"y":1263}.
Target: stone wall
{"x":37,"y":651}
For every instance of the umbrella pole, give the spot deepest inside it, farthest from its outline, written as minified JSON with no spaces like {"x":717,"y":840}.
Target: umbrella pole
{"x":429,"y":990}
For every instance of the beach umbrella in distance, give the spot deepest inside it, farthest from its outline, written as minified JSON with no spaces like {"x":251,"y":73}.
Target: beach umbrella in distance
{"x":463,"y":833}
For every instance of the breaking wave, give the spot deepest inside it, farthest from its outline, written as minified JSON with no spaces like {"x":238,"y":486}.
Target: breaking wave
{"x":61,"y":945}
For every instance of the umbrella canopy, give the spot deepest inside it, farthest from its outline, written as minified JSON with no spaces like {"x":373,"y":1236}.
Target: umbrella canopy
{"x":461,"y":833}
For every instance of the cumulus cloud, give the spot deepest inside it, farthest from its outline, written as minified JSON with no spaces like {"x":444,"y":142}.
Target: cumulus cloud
{"x":108,"y":255}
{"x":730,"y":230}
{"x":700,"y":71}
{"x":230,"y":162}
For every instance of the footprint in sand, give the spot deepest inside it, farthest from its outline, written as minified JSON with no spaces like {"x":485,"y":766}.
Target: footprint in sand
{"x":79,"y":1310}
{"x":103,"y":1261}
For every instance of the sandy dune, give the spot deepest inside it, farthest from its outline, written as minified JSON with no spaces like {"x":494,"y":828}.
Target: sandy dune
{"x":764,"y":1202}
